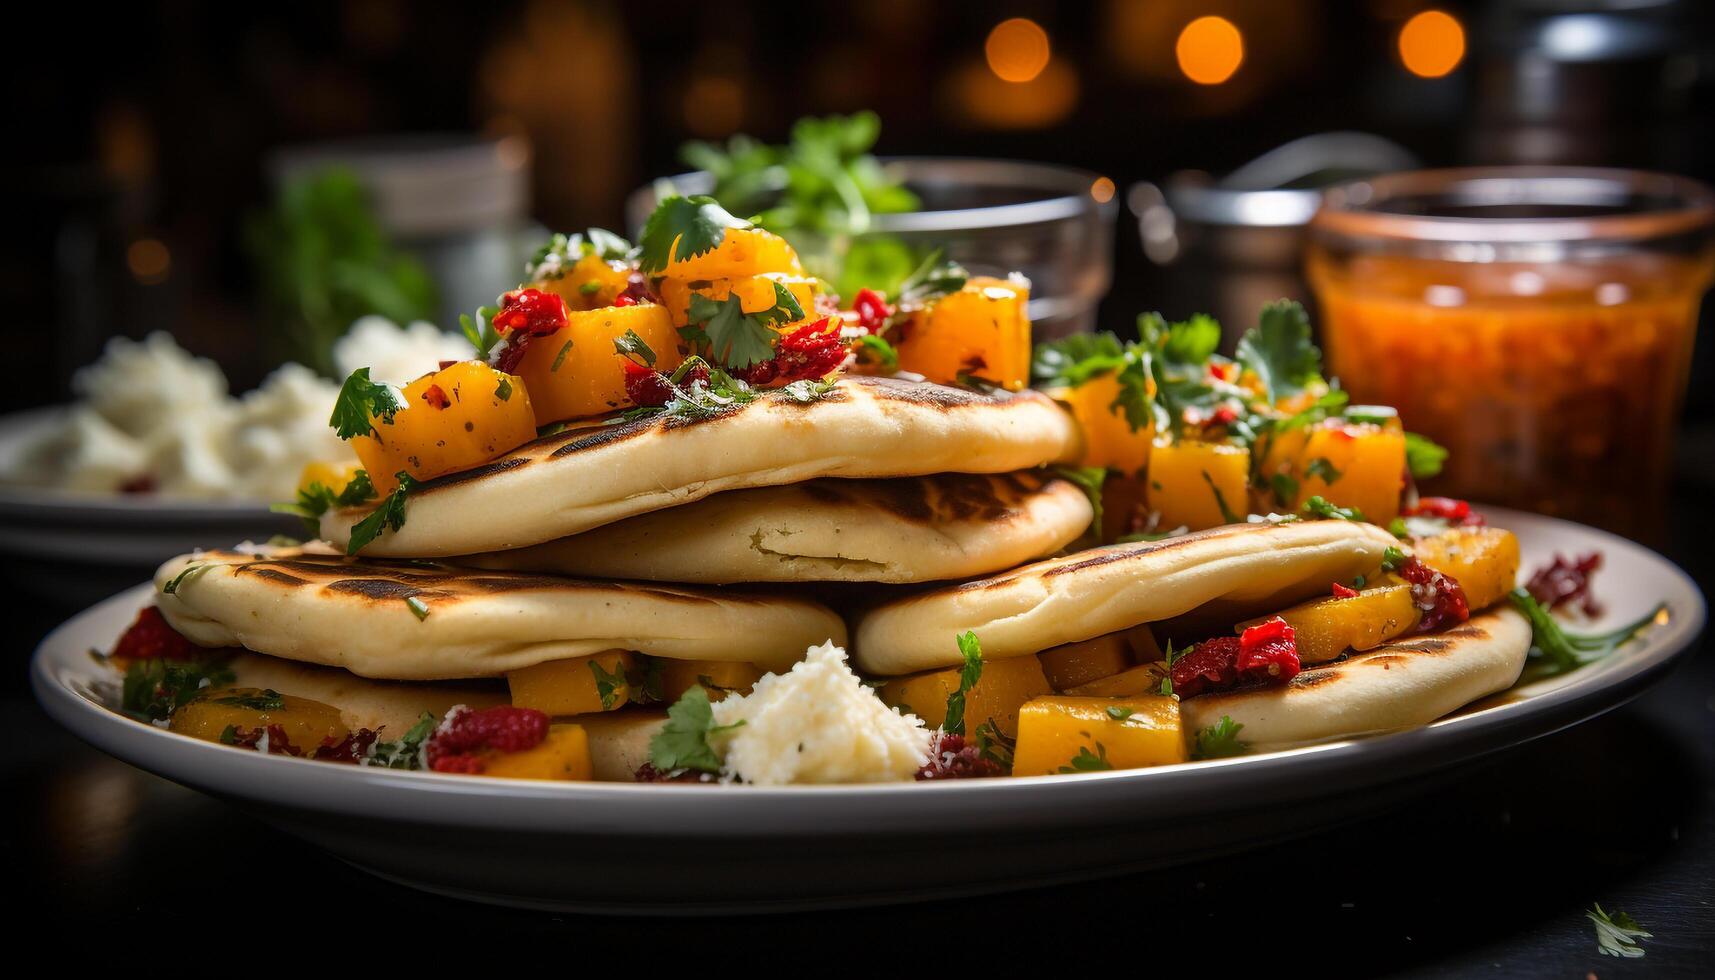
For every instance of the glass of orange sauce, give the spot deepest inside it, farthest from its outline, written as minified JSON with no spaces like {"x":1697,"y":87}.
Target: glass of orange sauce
{"x":1538,"y":322}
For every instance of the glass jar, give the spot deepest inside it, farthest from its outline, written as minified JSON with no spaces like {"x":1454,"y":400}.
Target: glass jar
{"x":1536,"y":321}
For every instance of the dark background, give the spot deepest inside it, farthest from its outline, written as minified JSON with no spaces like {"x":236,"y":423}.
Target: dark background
{"x":152,"y":121}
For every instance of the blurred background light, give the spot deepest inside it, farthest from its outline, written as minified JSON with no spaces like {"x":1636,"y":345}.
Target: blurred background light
{"x":1102,"y":190}
{"x":1431,"y":44}
{"x":1017,"y":50}
{"x":1210,"y":49}
{"x":148,"y":260}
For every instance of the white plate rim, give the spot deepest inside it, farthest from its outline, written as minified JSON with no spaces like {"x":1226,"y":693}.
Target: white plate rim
{"x":567,"y":807}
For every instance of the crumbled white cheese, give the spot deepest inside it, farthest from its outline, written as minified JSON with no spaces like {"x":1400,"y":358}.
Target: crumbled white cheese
{"x":394,"y":354}
{"x":818,"y":723}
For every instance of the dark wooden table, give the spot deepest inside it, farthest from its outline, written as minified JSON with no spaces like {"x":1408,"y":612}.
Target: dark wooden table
{"x":1487,"y":875}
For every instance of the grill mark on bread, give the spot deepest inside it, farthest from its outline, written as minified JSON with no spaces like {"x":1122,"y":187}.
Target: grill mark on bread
{"x":271,"y":574}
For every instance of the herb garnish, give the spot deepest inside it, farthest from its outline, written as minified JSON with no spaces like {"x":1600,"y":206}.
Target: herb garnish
{"x":608,"y":685}
{"x":1087,"y":761}
{"x":934,"y":277}
{"x":683,"y":743}
{"x":1423,"y":457}
{"x":1089,"y":479}
{"x":185,"y":574}
{"x":266,"y":699}
{"x":318,"y":498}
{"x":1617,"y":934}
{"x":360,"y":401}
{"x":418,"y":607}
{"x":390,"y":515}
{"x":735,"y":338}
{"x":972,"y":671}
{"x":1323,"y":469}
{"x":480,"y":330}
{"x":1555,"y":651}
{"x":1320,"y":506}
{"x":407,"y":753}
{"x":683,"y":228}
{"x":1118,"y":713}
{"x":153,"y":689}
{"x":1220,"y":740}
{"x":562,"y":251}
{"x":876,"y":351}
{"x":630,"y":345}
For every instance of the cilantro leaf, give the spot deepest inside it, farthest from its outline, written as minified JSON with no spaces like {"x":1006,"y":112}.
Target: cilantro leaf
{"x":1617,"y":934}
{"x":1074,"y":360}
{"x":1087,"y":761}
{"x":155,"y":687}
{"x":735,"y":339}
{"x":1221,"y":740}
{"x":994,"y":746}
{"x":875,"y":350}
{"x":972,"y":671}
{"x":1555,"y":651}
{"x":684,"y":227}
{"x":683,"y":743}
{"x":361,"y":400}
{"x":407,"y":753}
{"x":1278,"y":350}
{"x":1320,"y":506}
{"x":1423,"y":457}
{"x":390,"y":515}
{"x":318,"y":498}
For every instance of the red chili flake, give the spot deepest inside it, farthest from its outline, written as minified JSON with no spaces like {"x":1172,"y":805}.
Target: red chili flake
{"x":437,"y":398}
{"x":952,"y":757}
{"x":1439,"y":597}
{"x":1209,"y":666}
{"x":1344,"y":592}
{"x":638,"y":291}
{"x":349,"y":750}
{"x":1567,"y":580}
{"x":646,"y":386}
{"x":1268,"y":652}
{"x":624,"y":300}
{"x":810,"y":351}
{"x":530,"y":310}
{"x":149,"y":637}
{"x":465,"y":738}
{"x":872,"y":310}
{"x":1446,"y":508}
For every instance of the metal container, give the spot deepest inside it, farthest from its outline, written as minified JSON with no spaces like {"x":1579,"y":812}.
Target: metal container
{"x":1054,"y":224}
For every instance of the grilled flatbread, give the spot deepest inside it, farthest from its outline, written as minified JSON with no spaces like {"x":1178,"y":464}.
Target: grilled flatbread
{"x":423,"y":621}
{"x":596,"y":474}
{"x":1403,"y":684}
{"x":1222,"y":573}
{"x":916,"y":529}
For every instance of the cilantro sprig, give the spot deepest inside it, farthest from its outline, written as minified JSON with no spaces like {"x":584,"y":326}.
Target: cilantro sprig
{"x":407,"y":752}
{"x":390,"y":515}
{"x":1279,"y":352}
{"x":562,"y":251}
{"x":1087,"y":761}
{"x":318,"y":498}
{"x":1423,"y":457}
{"x":360,"y":401}
{"x":1555,"y":650}
{"x":1221,"y":740}
{"x":683,"y":228}
{"x":683,"y":743}
{"x":480,"y":330}
{"x":154,"y":688}
{"x":737,"y":339}
{"x":972,"y":671}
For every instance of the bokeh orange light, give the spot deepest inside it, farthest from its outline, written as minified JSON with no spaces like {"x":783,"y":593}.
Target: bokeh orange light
{"x":1431,"y":44}
{"x":1017,"y":49}
{"x":1102,"y":190}
{"x":1210,"y":49}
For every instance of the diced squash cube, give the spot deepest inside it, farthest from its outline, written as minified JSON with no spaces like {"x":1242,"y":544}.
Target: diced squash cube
{"x":332,"y":475}
{"x":756,"y":294}
{"x":1484,"y":560}
{"x":456,"y":418}
{"x":1128,"y":683}
{"x":1004,"y":686}
{"x":718,"y":678}
{"x":1075,"y":734}
{"x":1072,"y":664}
{"x":741,"y":253}
{"x":582,"y":685}
{"x":575,"y":371}
{"x":983,"y":331}
{"x":563,"y":754}
{"x":1198,"y":484}
{"x":1109,"y":440}
{"x":1327,"y":627}
{"x":590,"y":284}
{"x":306,"y":723}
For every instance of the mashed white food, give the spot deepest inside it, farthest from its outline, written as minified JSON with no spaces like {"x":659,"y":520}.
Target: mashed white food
{"x":819,"y":723}
{"x":151,"y":416}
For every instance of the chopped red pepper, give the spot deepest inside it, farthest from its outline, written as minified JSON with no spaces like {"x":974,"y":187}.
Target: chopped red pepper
{"x":1224,"y":415}
{"x":872,"y":310}
{"x":150,"y":637}
{"x":436,"y":397}
{"x":467,"y":738}
{"x":1447,"y":508}
{"x":1344,"y":592}
{"x":625,"y":299}
{"x":1439,"y":597}
{"x":1268,"y":652}
{"x":813,"y":350}
{"x":1567,"y":580}
{"x":1209,"y":666}
{"x":530,"y":310}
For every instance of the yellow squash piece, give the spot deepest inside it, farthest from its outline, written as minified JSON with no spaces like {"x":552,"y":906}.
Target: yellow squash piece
{"x":1072,"y":664}
{"x":741,"y":253}
{"x":590,"y":284}
{"x":306,"y":723}
{"x":1128,"y":683}
{"x":982,"y":331}
{"x":563,"y":754}
{"x":1198,"y":484}
{"x":1359,"y":465}
{"x":575,"y":371}
{"x":332,"y":475}
{"x":1484,"y":560}
{"x":583,"y":685}
{"x":1075,"y":734}
{"x":454,"y":419}
{"x":1327,"y":627}
{"x":718,"y":678}
{"x":756,"y":294}
{"x":1109,"y":440}
{"x":1004,"y":686}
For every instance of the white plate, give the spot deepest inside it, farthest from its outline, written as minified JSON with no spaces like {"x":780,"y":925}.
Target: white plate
{"x":720,"y":849}
{"x":80,"y":546}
